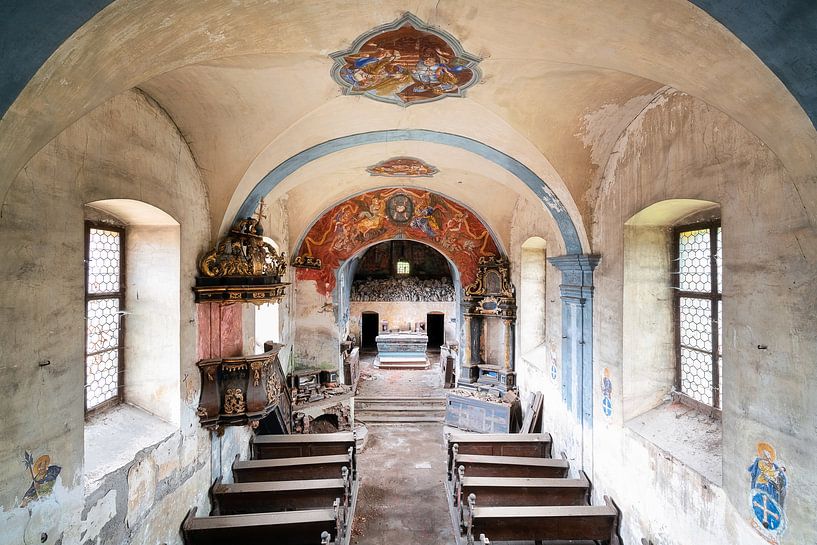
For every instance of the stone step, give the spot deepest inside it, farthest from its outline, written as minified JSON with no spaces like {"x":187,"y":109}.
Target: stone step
{"x":407,"y":404}
{"x":397,"y":419}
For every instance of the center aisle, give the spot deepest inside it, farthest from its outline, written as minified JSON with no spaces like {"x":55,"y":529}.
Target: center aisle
{"x":402,"y":494}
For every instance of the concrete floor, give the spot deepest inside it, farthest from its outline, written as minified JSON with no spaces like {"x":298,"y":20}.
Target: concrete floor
{"x":402,"y":467}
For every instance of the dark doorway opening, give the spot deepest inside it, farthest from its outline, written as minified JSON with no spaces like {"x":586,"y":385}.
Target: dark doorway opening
{"x":369,"y":326}
{"x":435,"y":329}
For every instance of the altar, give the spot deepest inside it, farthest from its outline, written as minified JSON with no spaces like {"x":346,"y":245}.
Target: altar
{"x":402,"y":350}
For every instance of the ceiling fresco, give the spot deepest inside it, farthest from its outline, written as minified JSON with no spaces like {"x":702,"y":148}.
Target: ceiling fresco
{"x":405,"y":62}
{"x":393,"y":213}
{"x":405,"y":167}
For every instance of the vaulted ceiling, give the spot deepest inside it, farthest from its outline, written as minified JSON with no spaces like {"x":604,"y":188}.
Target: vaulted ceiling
{"x":248,"y":85}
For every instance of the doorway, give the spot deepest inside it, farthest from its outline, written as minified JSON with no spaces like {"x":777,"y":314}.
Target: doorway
{"x":369,"y":327}
{"x":435,"y":329}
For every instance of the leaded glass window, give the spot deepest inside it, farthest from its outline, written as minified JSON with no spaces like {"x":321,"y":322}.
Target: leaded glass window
{"x":698,"y":278}
{"x":104,"y":305}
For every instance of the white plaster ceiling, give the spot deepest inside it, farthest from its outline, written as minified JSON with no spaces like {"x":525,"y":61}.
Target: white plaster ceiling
{"x":248,"y":85}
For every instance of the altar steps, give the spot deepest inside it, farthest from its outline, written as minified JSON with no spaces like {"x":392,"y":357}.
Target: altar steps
{"x":400,"y":410}
{"x":401,"y":360}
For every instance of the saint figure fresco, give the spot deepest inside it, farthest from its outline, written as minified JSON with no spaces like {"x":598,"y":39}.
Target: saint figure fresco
{"x":768,"y":493}
{"x":405,"y":62}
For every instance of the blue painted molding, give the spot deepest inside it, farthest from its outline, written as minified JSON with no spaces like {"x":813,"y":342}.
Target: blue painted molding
{"x":565,"y":224}
{"x":577,"y":333}
{"x":780,"y":32}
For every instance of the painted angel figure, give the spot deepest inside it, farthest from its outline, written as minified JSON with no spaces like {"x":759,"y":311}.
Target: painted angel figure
{"x":433,"y":73}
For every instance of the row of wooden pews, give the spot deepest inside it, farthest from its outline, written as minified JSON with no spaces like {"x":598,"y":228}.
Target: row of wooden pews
{"x":296,"y":490}
{"x":506,"y":487}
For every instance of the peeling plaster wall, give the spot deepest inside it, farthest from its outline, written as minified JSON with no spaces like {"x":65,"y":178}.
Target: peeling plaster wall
{"x":127,"y":148}
{"x":681,"y":148}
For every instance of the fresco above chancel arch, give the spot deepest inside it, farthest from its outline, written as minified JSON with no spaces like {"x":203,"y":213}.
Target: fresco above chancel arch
{"x":405,"y":62}
{"x":403,"y":167}
{"x":393,"y":213}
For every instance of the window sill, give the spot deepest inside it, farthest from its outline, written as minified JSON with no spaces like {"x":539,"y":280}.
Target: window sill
{"x":115,"y":436}
{"x":688,"y":435}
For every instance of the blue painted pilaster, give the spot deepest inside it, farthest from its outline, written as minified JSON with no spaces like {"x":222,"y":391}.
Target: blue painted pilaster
{"x":577,"y":342}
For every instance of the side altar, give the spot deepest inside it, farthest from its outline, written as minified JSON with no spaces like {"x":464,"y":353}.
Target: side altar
{"x":404,"y":350}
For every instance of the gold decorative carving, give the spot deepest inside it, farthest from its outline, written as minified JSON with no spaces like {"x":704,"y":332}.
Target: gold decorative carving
{"x":234,"y":367}
{"x":234,"y":401}
{"x":307,"y":262}
{"x":256,"y":367}
{"x":273,"y":388}
{"x":497,"y":266}
{"x":201,"y":412}
{"x":244,"y":252}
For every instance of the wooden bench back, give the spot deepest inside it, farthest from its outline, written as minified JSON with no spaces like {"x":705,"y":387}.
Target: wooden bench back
{"x":293,"y":469}
{"x":511,"y":491}
{"x":510,"y":466}
{"x":312,"y":527}
{"x":534,"y":445}
{"x":270,"y":496}
{"x":294,"y":446}
{"x":599,"y":523}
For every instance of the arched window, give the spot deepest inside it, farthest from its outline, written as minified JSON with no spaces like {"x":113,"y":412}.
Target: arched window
{"x":133,"y":317}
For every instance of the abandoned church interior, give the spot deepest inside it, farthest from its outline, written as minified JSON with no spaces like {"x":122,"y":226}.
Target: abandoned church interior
{"x":444,"y":272}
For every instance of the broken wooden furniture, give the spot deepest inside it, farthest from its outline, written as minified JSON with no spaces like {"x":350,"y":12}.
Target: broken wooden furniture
{"x":243,"y":267}
{"x":448,"y":357}
{"x":534,"y":445}
{"x":580,"y":524}
{"x":243,"y":390}
{"x":489,"y":310}
{"x":483,"y":412}
{"x":292,"y":446}
{"x":351,"y":363}
{"x":269,"y":496}
{"x":285,"y":469}
{"x":307,"y":527}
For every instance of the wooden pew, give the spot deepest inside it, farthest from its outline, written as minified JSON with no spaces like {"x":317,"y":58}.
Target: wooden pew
{"x":504,"y":491}
{"x":311,"y":527}
{"x":511,"y":466}
{"x":533,"y":445}
{"x":269,"y":496}
{"x":292,"y":469}
{"x":294,"y":446}
{"x":586,"y":523}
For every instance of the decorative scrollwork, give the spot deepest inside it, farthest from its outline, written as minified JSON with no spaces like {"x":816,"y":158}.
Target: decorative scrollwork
{"x":234,"y":401}
{"x":256,"y":368}
{"x":244,"y":252}
{"x":273,"y":388}
{"x":307,"y":262}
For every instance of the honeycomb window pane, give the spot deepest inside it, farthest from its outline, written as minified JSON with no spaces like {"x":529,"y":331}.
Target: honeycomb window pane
{"x":694,"y":261}
{"x":719,"y":261}
{"x":695,"y":323}
{"x":696,"y":375}
{"x":102,"y":377}
{"x":104,"y":261}
{"x":102,"y":325}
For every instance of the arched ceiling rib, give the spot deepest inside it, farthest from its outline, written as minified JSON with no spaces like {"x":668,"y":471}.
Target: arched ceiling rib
{"x":565,"y":81}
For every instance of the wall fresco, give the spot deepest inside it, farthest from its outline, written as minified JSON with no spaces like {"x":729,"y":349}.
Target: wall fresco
{"x":405,"y":167}
{"x":767,"y":494}
{"x":43,"y":477}
{"x":390,"y":213}
{"x":405,"y":62}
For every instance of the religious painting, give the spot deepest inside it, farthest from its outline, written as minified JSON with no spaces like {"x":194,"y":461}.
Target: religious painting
{"x":394,"y":213}
{"x":405,"y":62}
{"x":767,"y":494}
{"x":405,"y":167}
{"x":43,"y":477}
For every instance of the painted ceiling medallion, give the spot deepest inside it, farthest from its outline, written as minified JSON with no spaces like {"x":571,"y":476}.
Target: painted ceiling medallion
{"x":405,"y":62}
{"x":406,"y":167}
